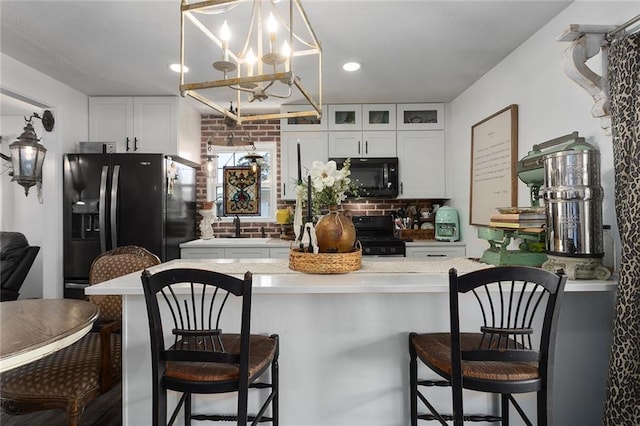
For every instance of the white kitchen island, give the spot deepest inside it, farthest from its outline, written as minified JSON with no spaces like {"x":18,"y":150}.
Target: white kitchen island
{"x":344,"y":346}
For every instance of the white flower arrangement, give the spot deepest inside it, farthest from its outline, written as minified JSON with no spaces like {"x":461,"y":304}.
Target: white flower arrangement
{"x":329,"y":185}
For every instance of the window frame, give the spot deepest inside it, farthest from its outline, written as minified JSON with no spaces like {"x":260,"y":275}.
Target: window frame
{"x":271,"y":182}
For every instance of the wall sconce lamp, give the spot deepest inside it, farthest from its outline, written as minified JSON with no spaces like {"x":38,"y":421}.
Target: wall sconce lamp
{"x":27,"y":155}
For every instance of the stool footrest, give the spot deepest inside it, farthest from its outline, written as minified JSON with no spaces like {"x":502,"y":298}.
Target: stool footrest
{"x":441,"y":383}
{"x":467,"y":418}
{"x":226,"y":418}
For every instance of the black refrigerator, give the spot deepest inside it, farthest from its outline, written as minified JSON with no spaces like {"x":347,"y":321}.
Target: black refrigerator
{"x":113,"y":200}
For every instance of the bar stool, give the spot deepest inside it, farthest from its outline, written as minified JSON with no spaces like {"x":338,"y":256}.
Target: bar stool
{"x":511,"y":353}
{"x":199,"y":358}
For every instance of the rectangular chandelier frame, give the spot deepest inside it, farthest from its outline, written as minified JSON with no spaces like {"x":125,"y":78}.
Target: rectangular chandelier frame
{"x":194,"y":89}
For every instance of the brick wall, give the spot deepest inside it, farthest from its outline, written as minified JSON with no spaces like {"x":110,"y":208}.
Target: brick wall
{"x":213,"y":128}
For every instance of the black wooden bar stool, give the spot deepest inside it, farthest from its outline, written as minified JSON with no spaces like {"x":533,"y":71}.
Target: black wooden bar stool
{"x":511,"y":353}
{"x":200,"y":358}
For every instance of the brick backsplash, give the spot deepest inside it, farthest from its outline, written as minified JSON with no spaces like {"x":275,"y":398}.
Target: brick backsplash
{"x":213,"y":128}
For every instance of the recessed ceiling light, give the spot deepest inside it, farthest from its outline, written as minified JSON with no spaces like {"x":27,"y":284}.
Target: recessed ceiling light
{"x":351,"y":66}
{"x":176,"y":68}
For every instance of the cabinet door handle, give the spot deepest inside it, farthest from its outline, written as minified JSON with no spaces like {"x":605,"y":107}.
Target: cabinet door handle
{"x":401,"y":188}
{"x":436,"y":255}
{"x":366,"y":147}
{"x":135,"y":144}
{"x":358,"y":147}
{"x":127,"y":147}
{"x":284,"y":189}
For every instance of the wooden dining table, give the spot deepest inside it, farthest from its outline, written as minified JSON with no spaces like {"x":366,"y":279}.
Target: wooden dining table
{"x":34,"y":328}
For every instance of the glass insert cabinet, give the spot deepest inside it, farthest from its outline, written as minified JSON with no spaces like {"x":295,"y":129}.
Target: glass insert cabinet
{"x":362,"y":117}
{"x":337,"y":117}
{"x":303,"y":124}
{"x":420,"y":116}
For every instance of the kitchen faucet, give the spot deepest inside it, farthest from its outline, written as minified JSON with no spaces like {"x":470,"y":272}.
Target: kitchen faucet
{"x":236,"y":222}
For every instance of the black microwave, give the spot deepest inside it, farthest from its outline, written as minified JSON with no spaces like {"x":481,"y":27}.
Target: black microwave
{"x":376,"y":177}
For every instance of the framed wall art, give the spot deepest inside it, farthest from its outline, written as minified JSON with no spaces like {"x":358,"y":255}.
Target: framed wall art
{"x":241,"y":191}
{"x":494,"y":152}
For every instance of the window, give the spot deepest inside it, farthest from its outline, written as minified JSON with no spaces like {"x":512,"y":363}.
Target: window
{"x":236,"y":156}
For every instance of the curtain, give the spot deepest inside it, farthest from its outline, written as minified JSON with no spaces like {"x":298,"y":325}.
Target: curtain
{"x":622,"y":405}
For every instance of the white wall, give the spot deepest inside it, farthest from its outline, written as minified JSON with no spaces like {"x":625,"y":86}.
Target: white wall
{"x":42,"y":223}
{"x":549,"y":105}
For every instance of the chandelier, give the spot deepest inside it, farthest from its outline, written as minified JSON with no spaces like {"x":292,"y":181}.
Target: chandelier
{"x":248,"y":52}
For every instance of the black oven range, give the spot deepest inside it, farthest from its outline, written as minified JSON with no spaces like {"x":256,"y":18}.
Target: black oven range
{"x":375,"y":234}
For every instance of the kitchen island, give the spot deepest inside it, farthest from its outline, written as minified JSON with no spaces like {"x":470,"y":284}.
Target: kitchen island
{"x":343,"y":340}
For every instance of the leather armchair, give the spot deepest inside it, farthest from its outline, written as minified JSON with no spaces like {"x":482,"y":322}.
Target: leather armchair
{"x":16,"y":259}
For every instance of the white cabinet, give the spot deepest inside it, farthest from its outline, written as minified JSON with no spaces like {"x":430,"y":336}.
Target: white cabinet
{"x":146,"y":124}
{"x":362,"y":117}
{"x":362,"y":130}
{"x":303,"y":124}
{"x":246,"y":253}
{"x":234,"y":252}
{"x":420,"y":116}
{"x":345,"y":117}
{"x":313,"y":147}
{"x":202,"y":253}
{"x":421,"y":164}
{"x":279,"y":252}
{"x":379,"y":117}
{"x":362,"y":144}
{"x":436,"y":252}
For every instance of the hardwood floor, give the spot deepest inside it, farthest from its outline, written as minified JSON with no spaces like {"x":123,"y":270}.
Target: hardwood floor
{"x":106,"y":410}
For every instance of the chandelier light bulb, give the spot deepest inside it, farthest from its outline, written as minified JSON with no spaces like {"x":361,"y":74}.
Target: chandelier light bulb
{"x":272,"y":26}
{"x":286,"y":52}
{"x":225,"y":32}
{"x":225,"y":35}
{"x":250,"y":60}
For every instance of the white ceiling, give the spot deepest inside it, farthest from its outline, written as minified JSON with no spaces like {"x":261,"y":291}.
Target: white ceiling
{"x":410,"y":50}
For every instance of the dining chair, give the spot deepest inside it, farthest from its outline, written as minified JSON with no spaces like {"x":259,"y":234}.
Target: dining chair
{"x":73,"y":376}
{"x":189,"y":308}
{"x":509,"y":350}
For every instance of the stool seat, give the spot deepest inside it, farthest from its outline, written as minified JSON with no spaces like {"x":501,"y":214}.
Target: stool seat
{"x":434,"y":349}
{"x":262,"y":351}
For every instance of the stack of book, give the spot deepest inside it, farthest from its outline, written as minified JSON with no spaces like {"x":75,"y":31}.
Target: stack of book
{"x":518,"y":220}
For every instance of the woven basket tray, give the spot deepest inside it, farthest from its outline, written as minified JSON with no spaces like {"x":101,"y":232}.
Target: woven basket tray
{"x":325,"y":263}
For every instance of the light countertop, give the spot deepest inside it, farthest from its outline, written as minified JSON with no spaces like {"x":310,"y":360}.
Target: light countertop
{"x":272,"y":276}
{"x":277,"y":242}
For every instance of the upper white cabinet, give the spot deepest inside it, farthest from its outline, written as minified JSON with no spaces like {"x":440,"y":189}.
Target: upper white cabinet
{"x":362,"y":130}
{"x":362,"y":144}
{"x":146,"y":124}
{"x":420,"y":116}
{"x":362,"y":117}
{"x":379,"y":117}
{"x":302,"y":124}
{"x":313,"y":147}
{"x":345,"y":117}
{"x":421,"y":164}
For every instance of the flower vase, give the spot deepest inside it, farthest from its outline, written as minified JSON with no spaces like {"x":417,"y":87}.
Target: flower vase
{"x":335,"y":232}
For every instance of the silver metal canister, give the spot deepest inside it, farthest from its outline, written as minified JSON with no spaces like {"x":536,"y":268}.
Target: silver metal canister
{"x":573,"y":202}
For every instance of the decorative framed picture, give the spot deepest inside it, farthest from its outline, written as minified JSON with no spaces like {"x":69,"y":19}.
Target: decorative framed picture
{"x":241,"y":191}
{"x":494,"y":152}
